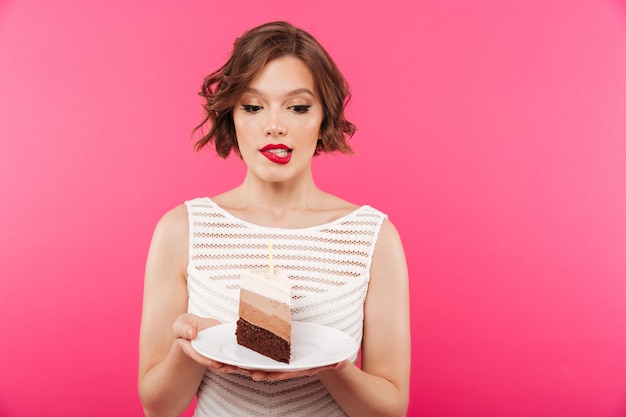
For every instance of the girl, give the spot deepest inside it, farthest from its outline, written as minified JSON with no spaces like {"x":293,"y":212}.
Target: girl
{"x":277,"y":102}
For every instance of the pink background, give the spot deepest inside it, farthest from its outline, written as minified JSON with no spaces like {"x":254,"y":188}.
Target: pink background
{"x":493,"y":134}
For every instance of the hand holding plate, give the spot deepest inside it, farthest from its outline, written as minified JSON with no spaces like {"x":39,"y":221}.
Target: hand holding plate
{"x":278,"y":376}
{"x":186,"y":328}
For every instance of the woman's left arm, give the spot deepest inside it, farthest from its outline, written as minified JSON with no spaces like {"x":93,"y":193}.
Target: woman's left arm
{"x":381,"y":386}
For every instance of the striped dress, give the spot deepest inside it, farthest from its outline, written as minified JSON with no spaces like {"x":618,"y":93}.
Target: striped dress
{"x":328,"y":266}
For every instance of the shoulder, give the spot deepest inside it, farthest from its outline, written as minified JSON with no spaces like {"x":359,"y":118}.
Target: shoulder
{"x":333,"y":201}
{"x":174,"y":218}
{"x":389,"y":267}
{"x":389,"y":244}
{"x":173,"y":227}
{"x":338,"y":207}
{"x":388,"y":229}
{"x":168,"y":254}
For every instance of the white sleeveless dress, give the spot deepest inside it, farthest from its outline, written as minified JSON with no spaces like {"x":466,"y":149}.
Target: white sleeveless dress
{"x":328,"y":266}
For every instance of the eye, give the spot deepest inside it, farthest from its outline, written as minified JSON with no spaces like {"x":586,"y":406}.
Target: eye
{"x":300,"y":108}
{"x":251,"y":108}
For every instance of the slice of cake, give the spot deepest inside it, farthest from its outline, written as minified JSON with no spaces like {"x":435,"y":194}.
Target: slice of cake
{"x":264,"y":323}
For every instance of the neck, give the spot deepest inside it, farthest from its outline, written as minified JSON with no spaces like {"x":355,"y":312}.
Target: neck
{"x":277,"y":196}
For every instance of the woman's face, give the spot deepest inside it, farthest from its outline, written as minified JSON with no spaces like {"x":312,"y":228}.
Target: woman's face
{"x":277,"y":120}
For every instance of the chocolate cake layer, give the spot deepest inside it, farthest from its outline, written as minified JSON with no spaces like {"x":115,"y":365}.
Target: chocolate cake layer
{"x":262,"y":341}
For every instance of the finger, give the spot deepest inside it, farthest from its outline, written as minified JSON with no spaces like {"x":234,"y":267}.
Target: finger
{"x":342,"y":365}
{"x":186,"y":346}
{"x":188,"y":325}
{"x":205,"y":322}
{"x":276,"y":376}
{"x":226,"y":369}
{"x":185,"y":326}
{"x":257,"y":376}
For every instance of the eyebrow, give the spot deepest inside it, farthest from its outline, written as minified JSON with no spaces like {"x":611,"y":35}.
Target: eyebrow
{"x":288,"y":94}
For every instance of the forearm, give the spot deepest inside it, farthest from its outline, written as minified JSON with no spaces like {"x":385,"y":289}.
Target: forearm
{"x":361,"y":394}
{"x":168,"y":388}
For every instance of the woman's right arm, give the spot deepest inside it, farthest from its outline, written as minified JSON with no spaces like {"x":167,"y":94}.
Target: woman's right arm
{"x":168,"y":377}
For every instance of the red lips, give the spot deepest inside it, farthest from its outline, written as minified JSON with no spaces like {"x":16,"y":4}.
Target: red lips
{"x":277,"y":153}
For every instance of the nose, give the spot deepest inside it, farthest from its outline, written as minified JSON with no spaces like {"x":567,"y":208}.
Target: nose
{"x":274,"y":127}
{"x":274,"y":130}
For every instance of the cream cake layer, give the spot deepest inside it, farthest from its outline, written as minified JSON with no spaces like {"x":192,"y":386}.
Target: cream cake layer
{"x":276,"y":286}
{"x":267,"y":314}
{"x":265,"y":305}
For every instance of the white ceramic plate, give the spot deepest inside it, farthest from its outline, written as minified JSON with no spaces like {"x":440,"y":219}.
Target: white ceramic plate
{"x":312,"y":346}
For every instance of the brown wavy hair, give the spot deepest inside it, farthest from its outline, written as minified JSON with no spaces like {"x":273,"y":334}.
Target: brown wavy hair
{"x":251,"y":52}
